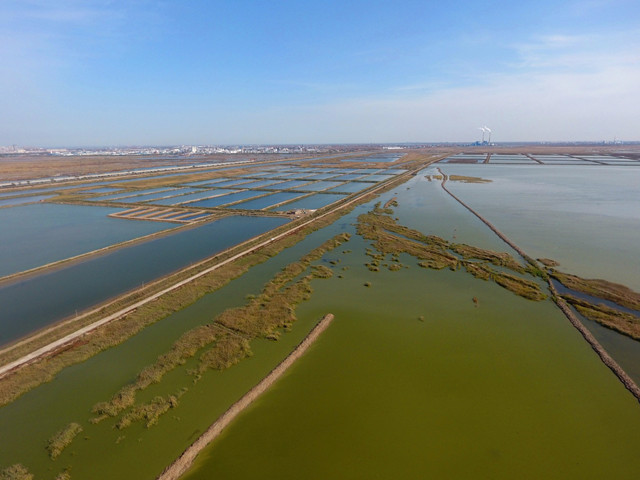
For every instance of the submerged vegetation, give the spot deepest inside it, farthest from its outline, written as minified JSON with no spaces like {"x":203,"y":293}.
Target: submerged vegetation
{"x":436,"y":253}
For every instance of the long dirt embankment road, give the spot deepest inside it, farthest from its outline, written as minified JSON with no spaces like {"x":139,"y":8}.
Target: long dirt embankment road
{"x":617,"y":370}
{"x":66,"y":340}
{"x":184,"y":461}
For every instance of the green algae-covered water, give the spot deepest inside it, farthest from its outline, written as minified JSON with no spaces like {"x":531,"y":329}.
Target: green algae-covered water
{"x":504,"y":390}
{"x":411,"y":380}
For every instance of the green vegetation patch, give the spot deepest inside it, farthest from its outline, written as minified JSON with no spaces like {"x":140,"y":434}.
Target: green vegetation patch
{"x":151,"y":411}
{"x":62,"y":439}
{"x":622,"y":322}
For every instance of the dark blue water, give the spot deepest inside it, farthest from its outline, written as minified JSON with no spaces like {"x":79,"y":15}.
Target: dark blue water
{"x":35,"y":303}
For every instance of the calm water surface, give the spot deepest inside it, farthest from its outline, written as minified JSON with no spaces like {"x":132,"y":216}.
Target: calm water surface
{"x":35,"y":303}
{"x":34,"y":235}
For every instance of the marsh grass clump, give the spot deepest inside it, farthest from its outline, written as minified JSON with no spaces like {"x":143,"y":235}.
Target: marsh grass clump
{"x":622,"y":322}
{"x":547,"y":262}
{"x":62,"y":439}
{"x":16,"y":472}
{"x":496,"y":258}
{"x":226,"y":352}
{"x":321,"y":271}
{"x":614,"y":292}
{"x":520,"y":286}
{"x":151,"y":411}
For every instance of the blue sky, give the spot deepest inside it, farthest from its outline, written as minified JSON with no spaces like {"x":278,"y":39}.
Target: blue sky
{"x":136,"y":72}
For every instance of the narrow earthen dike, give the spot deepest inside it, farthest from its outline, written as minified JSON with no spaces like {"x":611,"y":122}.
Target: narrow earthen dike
{"x":182,"y":464}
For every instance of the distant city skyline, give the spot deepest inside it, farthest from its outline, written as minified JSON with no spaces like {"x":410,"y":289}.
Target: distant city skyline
{"x":115,"y":73}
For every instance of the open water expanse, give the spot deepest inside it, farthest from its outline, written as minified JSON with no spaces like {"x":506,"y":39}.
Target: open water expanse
{"x":412,"y":380}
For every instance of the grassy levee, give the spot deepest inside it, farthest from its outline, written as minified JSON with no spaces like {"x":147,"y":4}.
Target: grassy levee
{"x":30,"y":374}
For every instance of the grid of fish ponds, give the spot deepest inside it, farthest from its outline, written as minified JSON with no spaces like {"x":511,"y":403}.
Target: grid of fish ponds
{"x":352,"y":187}
{"x":610,"y":160}
{"x":318,"y":186}
{"x":288,"y":185}
{"x":277,"y":187}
